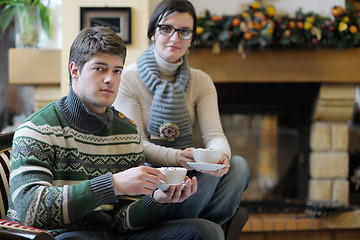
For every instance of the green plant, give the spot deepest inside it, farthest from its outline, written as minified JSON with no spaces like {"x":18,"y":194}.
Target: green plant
{"x":11,"y":6}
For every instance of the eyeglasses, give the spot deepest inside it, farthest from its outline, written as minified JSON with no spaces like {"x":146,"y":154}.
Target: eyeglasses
{"x":167,"y":30}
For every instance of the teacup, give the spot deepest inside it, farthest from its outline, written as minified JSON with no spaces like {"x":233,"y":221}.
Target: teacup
{"x":174,"y":175}
{"x":202,"y":155}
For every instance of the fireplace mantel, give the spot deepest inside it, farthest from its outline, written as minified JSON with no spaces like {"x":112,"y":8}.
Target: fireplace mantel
{"x":279,"y":66}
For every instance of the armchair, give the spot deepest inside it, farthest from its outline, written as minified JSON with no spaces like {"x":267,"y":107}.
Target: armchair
{"x":8,"y":229}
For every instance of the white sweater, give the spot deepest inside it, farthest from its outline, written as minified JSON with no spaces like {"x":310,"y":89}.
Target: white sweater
{"x":134,"y":100}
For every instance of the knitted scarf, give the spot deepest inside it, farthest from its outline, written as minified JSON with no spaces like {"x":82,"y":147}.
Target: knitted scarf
{"x":169,"y":115}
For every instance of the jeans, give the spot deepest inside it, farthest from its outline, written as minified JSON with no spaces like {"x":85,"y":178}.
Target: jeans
{"x":184,"y":229}
{"x":217,"y":198}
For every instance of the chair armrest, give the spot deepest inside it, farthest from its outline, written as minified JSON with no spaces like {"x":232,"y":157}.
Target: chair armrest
{"x":15,"y":231}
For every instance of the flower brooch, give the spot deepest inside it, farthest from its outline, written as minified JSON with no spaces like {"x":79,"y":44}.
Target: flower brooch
{"x":169,"y":131}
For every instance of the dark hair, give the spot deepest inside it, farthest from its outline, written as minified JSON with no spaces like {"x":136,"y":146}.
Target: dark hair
{"x":167,"y":7}
{"x":95,"y":40}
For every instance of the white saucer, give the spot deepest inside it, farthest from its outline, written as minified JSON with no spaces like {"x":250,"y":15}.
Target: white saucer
{"x":165,"y":187}
{"x":205,"y":166}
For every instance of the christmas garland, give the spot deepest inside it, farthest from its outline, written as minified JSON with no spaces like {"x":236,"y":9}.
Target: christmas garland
{"x":259,"y":27}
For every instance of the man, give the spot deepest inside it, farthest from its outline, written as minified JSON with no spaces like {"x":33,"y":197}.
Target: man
{"x":77,"y":165}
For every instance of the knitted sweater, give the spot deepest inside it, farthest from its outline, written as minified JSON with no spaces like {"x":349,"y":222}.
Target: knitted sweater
{"x":62,"y":161}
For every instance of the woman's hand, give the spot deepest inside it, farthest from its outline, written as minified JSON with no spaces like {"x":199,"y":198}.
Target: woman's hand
{"x":221,"y":172}
{"x":183,"y":157}
{"x":137,"y":180}
{"x":177,"y":194}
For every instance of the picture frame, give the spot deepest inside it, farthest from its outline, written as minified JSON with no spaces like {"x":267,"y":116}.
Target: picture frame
{"x":116,"y":18}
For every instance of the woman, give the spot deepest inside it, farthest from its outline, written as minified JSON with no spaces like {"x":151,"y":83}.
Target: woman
{"x":166,"y":98}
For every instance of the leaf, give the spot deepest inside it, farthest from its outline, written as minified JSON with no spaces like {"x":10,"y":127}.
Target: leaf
{"x":6,"y":18}
{"x":45,"y":19}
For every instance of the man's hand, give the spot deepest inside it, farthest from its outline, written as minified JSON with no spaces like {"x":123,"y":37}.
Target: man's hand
{"x":137,"y":181}
{"x":176,"y":194}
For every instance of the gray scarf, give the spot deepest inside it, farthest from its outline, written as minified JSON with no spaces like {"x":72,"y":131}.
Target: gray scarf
{"x":169,"y":116}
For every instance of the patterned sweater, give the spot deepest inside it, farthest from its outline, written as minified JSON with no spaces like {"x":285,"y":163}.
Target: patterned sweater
{"x":62,"y":161}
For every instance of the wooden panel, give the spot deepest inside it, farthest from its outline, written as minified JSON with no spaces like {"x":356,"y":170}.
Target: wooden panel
{"x":296,"y":65}
{"x":31,"y":66}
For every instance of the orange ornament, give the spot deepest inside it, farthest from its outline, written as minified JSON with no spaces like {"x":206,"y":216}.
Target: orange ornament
{"x":235,"y":22}
{"x":216,"y":18}
{"x":337,"y":11}
{"x":292,"y":24}
{"x":353,"y":29}
{"x":300,"y":25}
{"x":257,"y":25}
{"x":247,"y":35}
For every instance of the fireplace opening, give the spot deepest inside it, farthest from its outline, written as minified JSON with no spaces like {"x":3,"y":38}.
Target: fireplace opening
{"x":269,"y":125}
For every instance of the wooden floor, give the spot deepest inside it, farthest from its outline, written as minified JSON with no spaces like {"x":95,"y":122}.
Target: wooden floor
{"x":338,"y":234}
{"x":343,"y":226}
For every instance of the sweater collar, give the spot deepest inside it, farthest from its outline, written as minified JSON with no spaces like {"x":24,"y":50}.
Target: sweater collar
{"x":80,"y":118}
{"x":167,"y":69}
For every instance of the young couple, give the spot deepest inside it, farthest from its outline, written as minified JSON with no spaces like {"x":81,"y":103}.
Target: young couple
{"x":78,"y":165}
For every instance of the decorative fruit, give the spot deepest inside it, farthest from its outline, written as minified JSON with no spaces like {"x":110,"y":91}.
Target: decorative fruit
{"x":291,"y":24}
{"x":337,"y":11}
{"x":308,"y":25}
{"x":342,"y":26}
{"x":331,"y":28}
{"x":256,"y":5}
{"x":300,"y":25}
{"x":247,"y":35}
{"x":353,"y":29}
{"x":199,"y":30}
{"x":216,"y":18}
{"x":270,"y":11}
{"x":235,"y":22}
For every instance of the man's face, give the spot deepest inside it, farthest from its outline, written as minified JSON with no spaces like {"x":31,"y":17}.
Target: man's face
{"x":98,"y":83}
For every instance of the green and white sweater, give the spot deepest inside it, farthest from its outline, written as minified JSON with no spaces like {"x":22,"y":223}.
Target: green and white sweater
{"x":62,"y":161}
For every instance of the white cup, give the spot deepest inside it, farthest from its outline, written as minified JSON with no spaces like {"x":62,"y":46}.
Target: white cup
{"x":174,"y":175}
{"x":202,"y":155}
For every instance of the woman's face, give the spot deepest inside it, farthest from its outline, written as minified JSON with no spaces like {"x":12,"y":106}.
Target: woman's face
{"x":173,"y":48}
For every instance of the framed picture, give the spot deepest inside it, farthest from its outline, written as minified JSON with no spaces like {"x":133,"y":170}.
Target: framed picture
{"x":116,"y":18}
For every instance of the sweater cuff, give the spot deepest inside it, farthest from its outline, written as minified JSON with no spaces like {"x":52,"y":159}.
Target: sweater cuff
{"x":171,"y":157}
{"x":103,"y":190}
{"x":145,"y":211}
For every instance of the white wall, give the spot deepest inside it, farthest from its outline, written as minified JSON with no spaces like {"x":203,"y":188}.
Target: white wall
{"x":141,"y":11}
{"x":140,"y":14}
{"x":283,"y":7}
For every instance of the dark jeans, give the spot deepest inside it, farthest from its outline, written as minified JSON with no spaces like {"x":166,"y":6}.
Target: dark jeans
{"x":217,"y":199}
{"x":184,"y":229}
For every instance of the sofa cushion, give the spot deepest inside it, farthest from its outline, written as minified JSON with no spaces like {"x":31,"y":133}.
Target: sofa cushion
{"x":4,"y":183}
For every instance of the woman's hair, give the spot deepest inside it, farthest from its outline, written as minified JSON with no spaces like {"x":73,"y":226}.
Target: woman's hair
{"x":167,"y":7}
{"x":95,"y":40}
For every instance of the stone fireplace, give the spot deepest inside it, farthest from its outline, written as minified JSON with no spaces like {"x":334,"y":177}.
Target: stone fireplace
{"x":268,"y":124}
{"x":293,"y":105}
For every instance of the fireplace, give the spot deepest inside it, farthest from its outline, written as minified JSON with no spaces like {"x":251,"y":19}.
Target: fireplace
{"x":286,"y":112}
{"x":268,"y":124}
